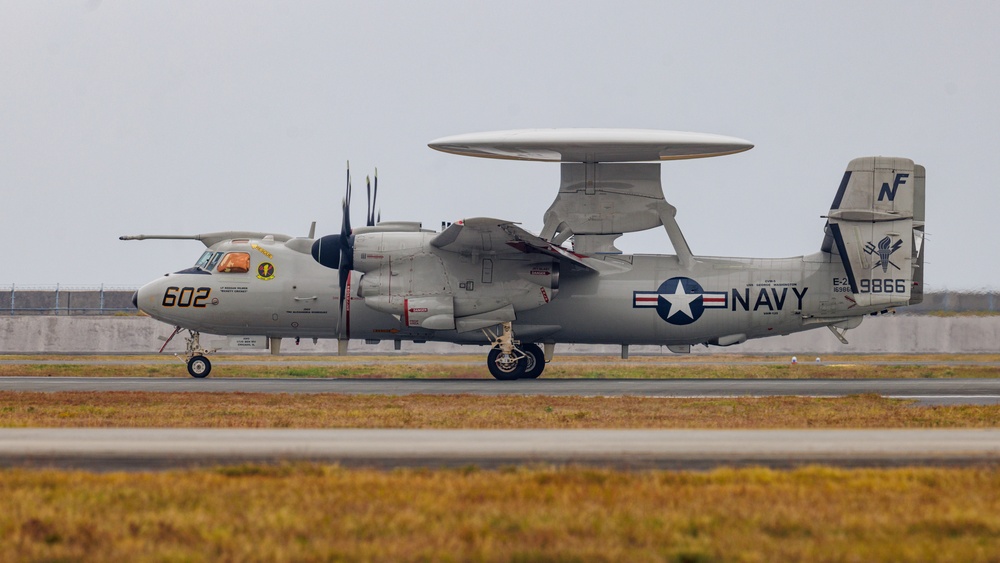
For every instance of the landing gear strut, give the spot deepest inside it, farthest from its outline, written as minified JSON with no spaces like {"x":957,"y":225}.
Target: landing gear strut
{"x":197,"y":364}
{"x":509,"y":359}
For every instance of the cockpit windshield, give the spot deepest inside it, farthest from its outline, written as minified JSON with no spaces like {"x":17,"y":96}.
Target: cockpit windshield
{"x":203,"y":261}
{"x":228,"y":262}
{"x":215,"y":260}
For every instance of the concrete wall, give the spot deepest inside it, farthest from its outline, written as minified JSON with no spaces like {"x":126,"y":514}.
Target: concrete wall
{"x":898,"y":334}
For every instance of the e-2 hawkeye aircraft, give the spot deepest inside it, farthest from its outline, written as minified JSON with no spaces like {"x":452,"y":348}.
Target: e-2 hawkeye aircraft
{"x":489,"y":282}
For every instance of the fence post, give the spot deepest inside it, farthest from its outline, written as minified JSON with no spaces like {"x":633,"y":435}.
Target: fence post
{"x":12,"y":294}
{"x":57,"y":300}
{"x":102,"y":299}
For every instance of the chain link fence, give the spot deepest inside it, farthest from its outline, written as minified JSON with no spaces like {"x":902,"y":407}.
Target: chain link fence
{"x":67,"y":300}
{"x":986,"y":301}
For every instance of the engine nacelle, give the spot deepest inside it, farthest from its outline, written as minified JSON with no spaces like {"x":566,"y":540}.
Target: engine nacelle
{"x":544,"y":274}
{"x":422,"y":286}
{"x":376,"y":250}
{"x":434,"y":312}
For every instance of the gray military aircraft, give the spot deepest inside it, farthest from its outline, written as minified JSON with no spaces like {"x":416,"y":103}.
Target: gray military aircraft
{"x":489,"y":282}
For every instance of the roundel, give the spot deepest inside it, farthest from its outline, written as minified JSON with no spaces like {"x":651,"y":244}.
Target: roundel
{"x":679,"y":301}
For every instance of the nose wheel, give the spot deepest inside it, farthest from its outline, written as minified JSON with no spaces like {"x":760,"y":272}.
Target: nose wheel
{"x":199,"y":366}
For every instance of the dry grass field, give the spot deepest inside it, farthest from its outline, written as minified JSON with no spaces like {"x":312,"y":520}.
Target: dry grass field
{"x":307,"y":512}
{"x":326,"y":513}
{"x":267,"y":410}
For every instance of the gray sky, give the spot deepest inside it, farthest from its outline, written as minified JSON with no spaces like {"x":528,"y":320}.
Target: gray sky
{"x":187,"y":117}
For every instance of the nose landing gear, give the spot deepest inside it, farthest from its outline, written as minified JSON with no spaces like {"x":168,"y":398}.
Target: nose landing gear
{"x":197,"y":364}
{"x":194,"y":356}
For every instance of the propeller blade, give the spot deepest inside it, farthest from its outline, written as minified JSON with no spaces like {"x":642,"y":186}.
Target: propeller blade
{"x":346,"y":257}
{"x":345,"y":226}
{"x":372,"y":200}
{"x":368,"y":212}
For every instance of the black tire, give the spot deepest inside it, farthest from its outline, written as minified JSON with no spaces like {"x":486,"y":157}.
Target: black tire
{"x":199,"y":366}
{"x":504,"y":371}
{"x":534,"y":363}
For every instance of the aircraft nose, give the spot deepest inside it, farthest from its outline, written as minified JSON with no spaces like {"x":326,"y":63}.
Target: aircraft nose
{"x":143,"y":298}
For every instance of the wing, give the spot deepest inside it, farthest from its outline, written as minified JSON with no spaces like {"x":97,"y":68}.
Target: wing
{"x":210,"y":239}
{"x":482,"y":235}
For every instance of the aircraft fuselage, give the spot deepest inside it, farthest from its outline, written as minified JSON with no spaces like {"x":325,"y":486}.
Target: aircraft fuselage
{"x":631,"y":299}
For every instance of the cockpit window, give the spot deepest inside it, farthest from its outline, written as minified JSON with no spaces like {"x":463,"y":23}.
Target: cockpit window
{"x":235,"y":263}
{"x":203,"y":261}
{"x":214,"y":260}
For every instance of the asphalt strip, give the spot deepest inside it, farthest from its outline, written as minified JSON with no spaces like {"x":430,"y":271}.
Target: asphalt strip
{"x":130,"y":449}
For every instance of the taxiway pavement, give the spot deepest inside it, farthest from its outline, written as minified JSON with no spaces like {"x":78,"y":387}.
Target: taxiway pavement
{"x":105,"y":449}
{"x":144,"y":449}
{"x":924,"y":391}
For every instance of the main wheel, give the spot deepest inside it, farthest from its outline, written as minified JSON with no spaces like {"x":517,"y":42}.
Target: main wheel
{"x":534,"y":362}
{"x":504,"y":366}
{"x":199,"y":366}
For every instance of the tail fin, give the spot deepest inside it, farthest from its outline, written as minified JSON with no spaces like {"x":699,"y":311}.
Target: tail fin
{"x":872,"y":228}
{"x":917,"y":285}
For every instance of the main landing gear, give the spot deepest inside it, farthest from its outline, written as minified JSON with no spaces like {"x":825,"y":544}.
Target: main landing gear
{"x":194,"y":356}
{"x":509,"y":359}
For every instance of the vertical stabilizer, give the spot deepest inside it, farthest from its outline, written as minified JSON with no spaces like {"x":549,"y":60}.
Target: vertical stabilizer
{"x":871,"y":227}
{"x":917,"y":285}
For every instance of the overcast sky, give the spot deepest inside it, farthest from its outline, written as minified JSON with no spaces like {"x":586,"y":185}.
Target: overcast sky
{"x":188,"y":117}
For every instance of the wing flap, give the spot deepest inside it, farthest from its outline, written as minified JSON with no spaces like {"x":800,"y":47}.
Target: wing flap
{"x":485,"y":235}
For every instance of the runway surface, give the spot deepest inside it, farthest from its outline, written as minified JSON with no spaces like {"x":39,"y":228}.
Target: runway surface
{"x":145,"y":449}
{"x":452,"y":361}
{"x":925,"y":391}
